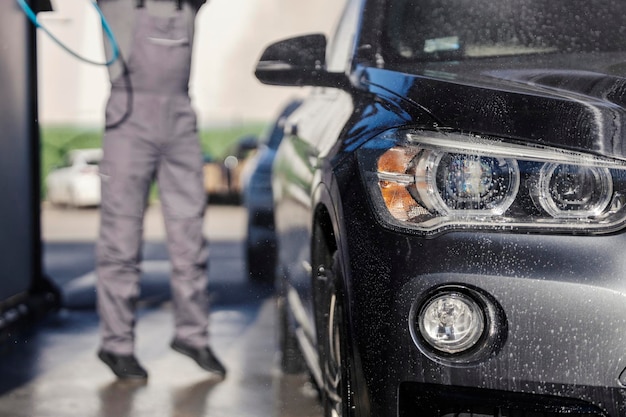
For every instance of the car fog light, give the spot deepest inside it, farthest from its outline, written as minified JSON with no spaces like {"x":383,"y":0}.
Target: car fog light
{"x":451,"y":322}
{"x":622,"y":378}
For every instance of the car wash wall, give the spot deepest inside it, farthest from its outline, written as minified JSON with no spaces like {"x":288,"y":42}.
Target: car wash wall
{"x":24,"y":291}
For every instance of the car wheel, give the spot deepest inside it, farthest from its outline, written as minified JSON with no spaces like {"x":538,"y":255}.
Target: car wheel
{"x":261,"y":263}
{"x":337,"y":370}
{"x":291,"y":361}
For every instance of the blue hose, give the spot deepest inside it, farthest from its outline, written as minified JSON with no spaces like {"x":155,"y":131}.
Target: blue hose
{"x":105,"y":25}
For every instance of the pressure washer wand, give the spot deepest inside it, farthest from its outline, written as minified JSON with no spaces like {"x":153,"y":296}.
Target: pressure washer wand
{"x":32,"y":16}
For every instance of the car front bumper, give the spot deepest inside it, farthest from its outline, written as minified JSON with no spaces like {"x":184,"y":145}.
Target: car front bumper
{"x":563,"y":305}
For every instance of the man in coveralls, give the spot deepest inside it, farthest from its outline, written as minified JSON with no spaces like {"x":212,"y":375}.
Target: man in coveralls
{"x":151,"y":134}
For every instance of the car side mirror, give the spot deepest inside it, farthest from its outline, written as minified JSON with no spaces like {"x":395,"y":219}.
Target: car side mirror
{"x":298,"y":61}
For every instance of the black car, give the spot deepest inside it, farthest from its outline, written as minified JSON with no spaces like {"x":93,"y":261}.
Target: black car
{"x":256,"y":190}
{"x":450,"y":208}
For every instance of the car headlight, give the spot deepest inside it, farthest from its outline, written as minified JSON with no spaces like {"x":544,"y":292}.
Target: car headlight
{"x":434,"y":181}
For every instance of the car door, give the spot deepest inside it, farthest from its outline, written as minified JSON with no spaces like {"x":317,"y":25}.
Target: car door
{"x":295,"y":169}
{"x":301,"y":169}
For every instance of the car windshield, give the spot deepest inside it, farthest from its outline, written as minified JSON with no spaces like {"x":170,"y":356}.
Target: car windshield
{"x":436,"y":30}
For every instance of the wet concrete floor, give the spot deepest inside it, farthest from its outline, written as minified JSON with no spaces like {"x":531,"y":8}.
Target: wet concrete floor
{"x":51,"y":369}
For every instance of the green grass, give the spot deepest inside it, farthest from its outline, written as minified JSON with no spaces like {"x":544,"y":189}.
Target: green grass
{"x":57,"y":141}
{"x":215,"y":142}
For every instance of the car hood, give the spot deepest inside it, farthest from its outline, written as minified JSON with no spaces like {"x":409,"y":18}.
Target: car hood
{"x":578,"y":102}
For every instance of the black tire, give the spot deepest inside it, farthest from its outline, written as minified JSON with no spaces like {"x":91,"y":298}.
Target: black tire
{"x":337,"y":365}
{"x":261,"y":264}
{"x":291,"y":359}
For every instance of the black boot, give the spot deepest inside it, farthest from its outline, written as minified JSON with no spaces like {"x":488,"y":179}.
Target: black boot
{"x":124,"y":366}
{"x":204,"y":357}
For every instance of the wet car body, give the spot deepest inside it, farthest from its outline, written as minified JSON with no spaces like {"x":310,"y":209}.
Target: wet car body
{"x":256,"y":180}
{"x":547,"y":273}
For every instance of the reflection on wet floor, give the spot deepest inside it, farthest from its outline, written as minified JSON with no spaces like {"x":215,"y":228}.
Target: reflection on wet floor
{"x":51,"y":369}
{"x":116,"y":398}
{"x":78,"y":385}
{"x":298,"y":397}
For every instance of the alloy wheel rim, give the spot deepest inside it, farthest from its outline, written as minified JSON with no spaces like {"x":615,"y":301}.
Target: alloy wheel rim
{"x":334,"y":377}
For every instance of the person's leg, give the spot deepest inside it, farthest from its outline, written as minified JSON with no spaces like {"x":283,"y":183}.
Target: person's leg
{"x":126,"y":173}
{"x":183,"y":202}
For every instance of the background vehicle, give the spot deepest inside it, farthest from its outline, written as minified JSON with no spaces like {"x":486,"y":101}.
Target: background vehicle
{"x":222,"y":176}
{"x":256,"y":185}
{"x":77,"y":184}
{"x":450,"y":206}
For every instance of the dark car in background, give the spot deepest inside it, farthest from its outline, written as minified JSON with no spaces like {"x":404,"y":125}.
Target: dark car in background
{"x":257,"y":198}
{"x":450,"y":208}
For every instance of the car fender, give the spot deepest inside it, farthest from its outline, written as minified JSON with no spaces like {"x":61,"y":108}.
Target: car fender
{"x":328,"y":203}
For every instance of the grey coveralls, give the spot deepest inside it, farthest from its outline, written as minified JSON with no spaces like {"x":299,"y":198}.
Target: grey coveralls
{"x":152,"y":134}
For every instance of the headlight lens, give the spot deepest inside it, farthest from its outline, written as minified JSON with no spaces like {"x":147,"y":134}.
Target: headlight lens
{"x":434,"y":181}
{"x":574,"y":190}
{"x":468,"y":183}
